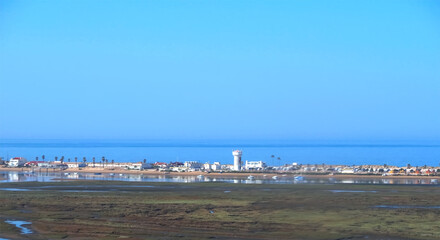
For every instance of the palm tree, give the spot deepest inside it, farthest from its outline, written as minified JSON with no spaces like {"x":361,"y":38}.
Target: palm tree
{"x":36,"y":159}
{"x":103,"y":161}
{"x":84,"y":159}
{"x":68,"y":160}
{"x":113,"y":161}
{"x":43,"y":157}
{"x":145,"y":160}
{"x":56,"y":158}
{"x":93,"y":159}
{"x":62,"y":159}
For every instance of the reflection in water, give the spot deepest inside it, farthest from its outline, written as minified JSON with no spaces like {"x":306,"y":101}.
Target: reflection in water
{"x":406,"y":206}
{"x":15,"y":189}
{"x":350,"y":191}
{"x":47,"y":176}
{"x":13,"y":177}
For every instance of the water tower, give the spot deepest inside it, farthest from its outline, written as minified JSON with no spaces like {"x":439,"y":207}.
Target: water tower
{"x":237,"y":159}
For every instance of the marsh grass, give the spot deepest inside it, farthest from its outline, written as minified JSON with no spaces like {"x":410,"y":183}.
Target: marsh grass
{"x":204,"y":210}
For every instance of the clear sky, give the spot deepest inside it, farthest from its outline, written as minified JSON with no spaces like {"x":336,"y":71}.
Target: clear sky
{"x":229,"y":69}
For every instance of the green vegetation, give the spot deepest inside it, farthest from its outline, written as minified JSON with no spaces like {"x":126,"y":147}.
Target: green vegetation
{"x":113,"y":210}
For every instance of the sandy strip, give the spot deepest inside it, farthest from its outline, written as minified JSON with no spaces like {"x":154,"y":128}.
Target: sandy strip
{"x":224,"y":174}
{"x":154,"y":172}
{"x":144,"y":172}
{"x":364,"y":176}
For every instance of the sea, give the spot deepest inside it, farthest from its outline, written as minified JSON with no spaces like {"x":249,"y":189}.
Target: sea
{"x":274,"y":153}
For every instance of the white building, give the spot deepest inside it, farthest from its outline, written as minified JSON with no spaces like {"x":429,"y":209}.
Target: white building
{"x":237,"y":159}
{"x":216,"y":166}
{"x":136,"y":166}
{"x":193,"y":165}
{"x":72,"y":164}
{"x":44,"y":165}
{"x":17,"y":162}
{"x":177,"y":169}
{"x":129,"y":166}
{"x":227,"y":167}
{"x":207,"y":166}
{"x":255,"y":165}
{"x":348,"y":170}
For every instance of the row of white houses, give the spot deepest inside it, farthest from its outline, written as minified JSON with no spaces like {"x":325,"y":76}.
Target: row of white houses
{"x":22,"y":162}
{"x":188,"y":165}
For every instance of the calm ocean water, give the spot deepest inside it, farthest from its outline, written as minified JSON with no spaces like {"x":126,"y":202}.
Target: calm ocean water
{"x":391,"y":153}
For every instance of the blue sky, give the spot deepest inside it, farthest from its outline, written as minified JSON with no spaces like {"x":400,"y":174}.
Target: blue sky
{"x":220,"y":69}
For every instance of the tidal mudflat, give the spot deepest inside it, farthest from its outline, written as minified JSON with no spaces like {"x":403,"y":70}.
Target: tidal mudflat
{"x":136,"y":210}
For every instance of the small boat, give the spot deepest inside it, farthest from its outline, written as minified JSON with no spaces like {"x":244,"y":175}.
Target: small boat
{"x":120,"y":174}
{"x":200,"y":176}
{"x":251,"y":177}
{"x":275,"y":177}
{"x":111,"y":174}
{"x":98,"y":173}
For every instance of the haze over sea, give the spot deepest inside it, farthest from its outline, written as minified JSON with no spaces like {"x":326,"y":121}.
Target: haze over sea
{"x":400,"y":153}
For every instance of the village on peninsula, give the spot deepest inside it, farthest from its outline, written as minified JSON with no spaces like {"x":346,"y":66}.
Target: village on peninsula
{"x":195,"y":167}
